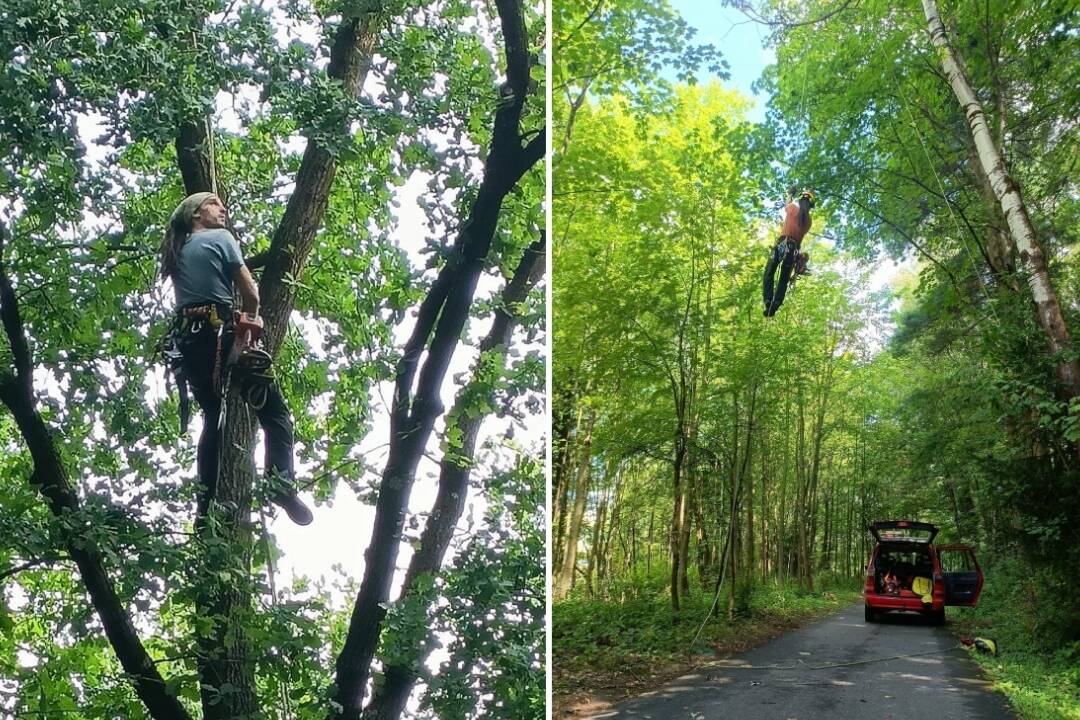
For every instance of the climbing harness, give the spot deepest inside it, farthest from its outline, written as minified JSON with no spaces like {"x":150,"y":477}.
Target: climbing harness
{"x":189,"y":321}
{"x":245,"y":355}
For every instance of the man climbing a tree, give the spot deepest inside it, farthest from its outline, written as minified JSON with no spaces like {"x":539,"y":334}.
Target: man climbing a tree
{"x":203,"y":259}
{"x":786,"y":255}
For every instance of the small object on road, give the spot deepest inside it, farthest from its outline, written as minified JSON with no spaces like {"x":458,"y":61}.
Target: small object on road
{"x":984,"y":645}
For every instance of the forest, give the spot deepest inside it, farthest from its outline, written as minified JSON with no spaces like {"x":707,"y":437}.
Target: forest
{"x":715,"y":471}
{"x":382,"y":163}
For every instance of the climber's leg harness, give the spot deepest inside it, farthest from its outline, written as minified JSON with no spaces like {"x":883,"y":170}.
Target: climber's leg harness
{"x":252,"y":362}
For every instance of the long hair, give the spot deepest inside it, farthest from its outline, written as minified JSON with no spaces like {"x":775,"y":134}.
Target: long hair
{"x":175,"y":237}
{"x":804,"y":212}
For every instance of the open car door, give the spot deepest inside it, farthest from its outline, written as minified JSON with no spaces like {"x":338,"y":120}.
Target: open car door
{"x":903,"y":531}
{"x":963,"y":576}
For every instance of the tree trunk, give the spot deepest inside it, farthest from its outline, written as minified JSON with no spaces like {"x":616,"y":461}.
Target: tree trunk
{"x":802,"y":498}
{"x":560,"y":481}
{"x":614,"y":532}
{"x":678,"y":515}
{"x":595,"y":547}
{"x":454,"y":471}
{"x":649,"y":544}
{"x":438,"y":330}
{"x":224,"y":660}
{"x":703,"y":544}
{"x":684,"y":535}
{"x":749,"y":482}
{"x":565,"y":578}
{"x":1048,"y":310}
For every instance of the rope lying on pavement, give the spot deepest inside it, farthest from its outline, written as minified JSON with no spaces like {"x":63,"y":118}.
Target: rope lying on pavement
{"x":805,"y":666}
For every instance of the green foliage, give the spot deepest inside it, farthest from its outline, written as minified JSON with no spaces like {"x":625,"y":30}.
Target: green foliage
{"x":1032,"y":614}
{"x":498,"y":615}
{"x":92,"y":93}
{"x":588,"y":632}
{"x":935,"y":401}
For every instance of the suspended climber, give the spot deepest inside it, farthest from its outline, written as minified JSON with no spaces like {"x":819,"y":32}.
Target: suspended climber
{"x":210,"y":345}
{"x":786,"y":255}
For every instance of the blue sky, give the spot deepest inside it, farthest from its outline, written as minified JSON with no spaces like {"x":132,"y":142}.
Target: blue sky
{"x":739,"y":39}
{"x":742,"y":43}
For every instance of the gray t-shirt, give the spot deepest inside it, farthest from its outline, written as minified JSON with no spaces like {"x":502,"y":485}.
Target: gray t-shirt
{"x":207,"y":263}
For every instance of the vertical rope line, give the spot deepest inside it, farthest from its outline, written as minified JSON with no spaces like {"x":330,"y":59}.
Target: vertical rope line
{"x":211,"y":153}
{"x":948,"y":206}
{"x":208,"y":126}
{"x":283,"y":688}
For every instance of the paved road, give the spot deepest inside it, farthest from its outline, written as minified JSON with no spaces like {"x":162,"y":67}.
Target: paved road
{"x":931,"y":683}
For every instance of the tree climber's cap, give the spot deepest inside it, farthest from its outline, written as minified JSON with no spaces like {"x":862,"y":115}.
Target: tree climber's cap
{"x":809,"y":195}
{"x":186,"y":210}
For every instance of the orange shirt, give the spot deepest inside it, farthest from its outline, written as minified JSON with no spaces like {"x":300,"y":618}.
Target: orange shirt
{"x":791,"y":223}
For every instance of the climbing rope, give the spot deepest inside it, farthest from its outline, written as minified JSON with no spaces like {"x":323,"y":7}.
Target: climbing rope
{"x":827,"y":666}
{"x":283,"y":688}
{"x":210,"y":152}
{"x":948,"y":206}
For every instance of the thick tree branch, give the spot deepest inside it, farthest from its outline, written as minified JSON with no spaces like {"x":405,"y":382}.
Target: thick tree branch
{"x":51,"y":479}
{"x":442,"y":318}
{"x":193,"y":157}
{"x":350,"y":59}
{"x":13,"y":327}
{"x":454,"y":471}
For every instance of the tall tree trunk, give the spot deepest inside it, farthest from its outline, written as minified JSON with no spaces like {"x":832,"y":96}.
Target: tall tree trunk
{"x":802,"y":497}
{"x":596,"y":546}
{"x":1048,"y":310}
{"x":749,"y":481}
{"x":678,"y":515}
{"x":560,"y":482}
{"x":439,"y":324}
{"x":565,"y":577}
{"x":703,"y":541}
{"x":766,"y":522}
{"x":684,"y":535}
{"x":454,"y":471}
{"x":614,"y":532}
{"x":649,"y":543}
{"x":226,"y":670}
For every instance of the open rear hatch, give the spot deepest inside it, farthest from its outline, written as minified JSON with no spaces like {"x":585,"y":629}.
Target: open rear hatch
{"x":963,"y":576}
{"x":903,"y":531}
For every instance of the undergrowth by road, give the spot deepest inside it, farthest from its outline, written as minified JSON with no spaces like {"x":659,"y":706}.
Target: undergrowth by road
{"x":1031,"y":615}
{"x":606,"y":650}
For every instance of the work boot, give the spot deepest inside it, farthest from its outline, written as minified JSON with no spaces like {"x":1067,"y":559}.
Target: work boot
{"x":288,"y":500}
{"x":800,"y":264}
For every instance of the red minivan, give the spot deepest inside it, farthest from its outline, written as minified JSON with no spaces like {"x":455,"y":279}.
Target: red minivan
{"x":908,"y":572}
